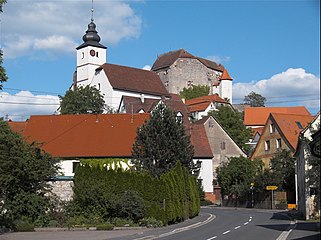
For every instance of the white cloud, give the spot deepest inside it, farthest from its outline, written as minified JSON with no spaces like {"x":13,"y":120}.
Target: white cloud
{"x":147,"y":67}
{"x":294,"y":86}
{"x":58,"y":26}
{"x":219,"y":59}
{"x":21,"y":105}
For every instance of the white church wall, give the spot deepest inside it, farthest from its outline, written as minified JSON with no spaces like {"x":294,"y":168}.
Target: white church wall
{"x":206,"y":174}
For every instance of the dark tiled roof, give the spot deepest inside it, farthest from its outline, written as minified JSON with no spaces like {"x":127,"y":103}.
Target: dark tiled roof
{"x":199,"y":140}
{"x":134,"y":79}
{"x":167,"y":59}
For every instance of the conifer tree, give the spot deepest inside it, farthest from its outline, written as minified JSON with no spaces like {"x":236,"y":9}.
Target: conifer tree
{"x":160,"y":142}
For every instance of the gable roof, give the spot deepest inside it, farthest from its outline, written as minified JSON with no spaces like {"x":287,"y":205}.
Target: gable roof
{"x":85,"y":135}
{"x":225,"y":75}
{"x":257,"y":116}
{"x":202,"y":103}
{"x":167,"y":59}
{"x":200,"y":142}
{"x":134,"y":79}
{"x":289,"y":125}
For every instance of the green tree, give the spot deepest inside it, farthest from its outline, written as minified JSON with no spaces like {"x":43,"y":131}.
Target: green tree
{"x":194,"y":91}
{"x":160,"y":142}
{"x":24,"y":172}
{"x":233,"y":122}
{"x":254,"y":100}
{"x":3,"y":76}
{"x":82,"y":100}
{"x":235,"y":175}
{"x":283,"y":169}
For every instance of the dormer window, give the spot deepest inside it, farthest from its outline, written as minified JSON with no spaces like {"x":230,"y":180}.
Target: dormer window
{"x":179,"y":117}
{"x":272,"y":128}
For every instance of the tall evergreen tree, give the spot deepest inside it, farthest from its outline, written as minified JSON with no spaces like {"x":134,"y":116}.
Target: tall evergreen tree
{"x":162,"y":141}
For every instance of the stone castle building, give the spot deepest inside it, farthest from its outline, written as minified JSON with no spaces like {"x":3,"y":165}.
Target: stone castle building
{"x":180,"y":69}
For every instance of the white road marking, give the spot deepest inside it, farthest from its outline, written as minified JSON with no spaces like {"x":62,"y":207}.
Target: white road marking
{"x":246,"y":223}
{"x":226,"y":232}
{"x":212,"y":238}
{"x":250,"y":219}
{"x":237,"y":227}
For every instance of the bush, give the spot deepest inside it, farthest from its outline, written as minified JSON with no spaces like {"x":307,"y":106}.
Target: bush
{"x":122,"y":222}
{"x":105,"y":226}
{"x":23,"y":225}
{"x":151,"y":222}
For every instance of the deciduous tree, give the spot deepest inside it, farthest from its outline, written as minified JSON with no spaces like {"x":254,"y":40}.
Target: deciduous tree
{"x":194,"y":91}
{"x":82,"y":100}
{"x":24,"y":172}
{"x":254,"y":100}
{"x":232,"y":121}
{"x":3,"y":76}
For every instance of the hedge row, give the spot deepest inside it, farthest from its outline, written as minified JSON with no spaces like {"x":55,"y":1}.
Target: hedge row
{"x":171,"y":198}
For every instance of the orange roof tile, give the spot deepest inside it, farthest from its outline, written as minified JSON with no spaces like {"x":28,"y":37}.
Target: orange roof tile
{"x":18,"y":127}
{"x":257,"y":116}
{"x":72,"y":136}
{"x":201,"y":103}
{"x":291,"y":125}
{"x":225,"y":75}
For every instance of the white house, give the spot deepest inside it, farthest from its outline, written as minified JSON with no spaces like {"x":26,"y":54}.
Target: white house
{"x":305,"y":192}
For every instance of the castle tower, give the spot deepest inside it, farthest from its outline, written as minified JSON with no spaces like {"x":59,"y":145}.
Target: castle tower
{"x":225,"y":88}
{"x":90,"y":55}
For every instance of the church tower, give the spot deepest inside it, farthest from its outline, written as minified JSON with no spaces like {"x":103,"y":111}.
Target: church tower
{"x":90,"y":55}
{"x":225,"y":88}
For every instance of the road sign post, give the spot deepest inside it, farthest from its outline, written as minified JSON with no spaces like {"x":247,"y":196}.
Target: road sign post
{"x":252,"y":202}
{"x":271,"y":188}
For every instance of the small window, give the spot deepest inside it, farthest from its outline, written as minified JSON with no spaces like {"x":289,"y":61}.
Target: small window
{"x":74,"y":166}
{"x":278,"y":143}
{"x":299,"y":125}
{"x":272,"y":128}
{"x":223,"y":146}
{"x":267,"y":145}
{"x":189,"y":83}
{"x":179,"y":117}
{"x":96,"y":54}
{"x":166,"y":84}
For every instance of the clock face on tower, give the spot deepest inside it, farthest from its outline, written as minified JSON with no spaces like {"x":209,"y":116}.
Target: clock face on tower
{"x":92,"y":53}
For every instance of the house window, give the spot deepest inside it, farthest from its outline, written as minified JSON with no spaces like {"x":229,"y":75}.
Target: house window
{"x":189,"y":83}
{"x":299,"y":125}
{"x":278,"y":143}
{"x":267,"y":145}
{"x":179,"y":117}
{"x":166,"y":84}
{"x":74,"y":166}
{"x":223,"y":146}
{"x":272,"y":128}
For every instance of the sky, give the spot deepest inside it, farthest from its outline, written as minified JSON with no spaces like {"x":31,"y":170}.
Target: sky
{"x":269,"y":47}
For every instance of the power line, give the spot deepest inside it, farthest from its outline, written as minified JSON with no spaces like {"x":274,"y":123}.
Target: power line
{"x":40,"y":104}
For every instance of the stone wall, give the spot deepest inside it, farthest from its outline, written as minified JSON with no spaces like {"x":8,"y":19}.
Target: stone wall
{"x":62,"y":189}
{"x":185,"y":72}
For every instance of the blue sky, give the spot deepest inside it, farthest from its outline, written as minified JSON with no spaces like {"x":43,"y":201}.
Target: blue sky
{"x":270,"y":47}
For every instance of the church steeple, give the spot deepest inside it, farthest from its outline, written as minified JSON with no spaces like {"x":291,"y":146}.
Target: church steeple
{"x":91,"y":38}
{"x":90,"y":54}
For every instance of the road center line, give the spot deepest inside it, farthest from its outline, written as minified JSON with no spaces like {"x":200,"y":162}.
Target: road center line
{"x":246,"y":223}
{"x":237,"y":227}
{"x":226,"y":232}
{"x":212,"y":238}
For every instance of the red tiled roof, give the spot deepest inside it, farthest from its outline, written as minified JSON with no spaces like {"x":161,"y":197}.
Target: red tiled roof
{"x":201,"y":103}
{"x":225,"y":75}
{"x":257,"y":130}
{"x":167,"y":59}
{"x":18,"y":127}
{"x":199,"y":140}
{"x":257,"y":116}
{"x":289,"y":125}
{"x":134,"y":79}
{"x":70,"y":136}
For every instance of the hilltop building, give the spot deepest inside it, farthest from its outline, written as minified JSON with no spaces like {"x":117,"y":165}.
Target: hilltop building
{"x":179,"y":69}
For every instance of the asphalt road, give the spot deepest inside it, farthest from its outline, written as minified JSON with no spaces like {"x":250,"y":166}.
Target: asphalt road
{"x":213,"y":223}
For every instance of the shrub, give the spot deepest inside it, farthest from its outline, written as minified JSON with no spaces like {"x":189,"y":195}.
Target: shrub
{"x":23,"y":225}
{"x":122,"y":222}
{"x":151,"y":222}
{"x":105,"y":227}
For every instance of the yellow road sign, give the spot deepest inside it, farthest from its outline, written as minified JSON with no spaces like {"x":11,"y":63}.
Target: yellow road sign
{"x":271,"y":187}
